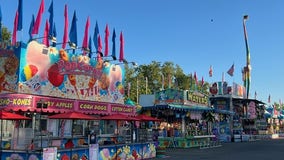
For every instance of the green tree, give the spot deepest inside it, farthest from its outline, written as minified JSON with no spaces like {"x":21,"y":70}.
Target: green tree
{"x":6,"y":34}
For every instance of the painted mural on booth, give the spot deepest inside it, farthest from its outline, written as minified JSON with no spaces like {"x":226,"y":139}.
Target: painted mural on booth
{"x":63,"y":73}
{"x":9,"y":67}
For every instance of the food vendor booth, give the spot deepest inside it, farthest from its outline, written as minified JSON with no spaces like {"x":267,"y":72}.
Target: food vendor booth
{"x":39,"y":82}
{"x":239,"y":118}
{"x":181,"y":112}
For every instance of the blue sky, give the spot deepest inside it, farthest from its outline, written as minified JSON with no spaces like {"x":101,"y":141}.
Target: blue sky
{"x":191,"y":33}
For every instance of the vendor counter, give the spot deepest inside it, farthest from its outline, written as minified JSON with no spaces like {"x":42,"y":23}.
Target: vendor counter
{"x":184,"y":142}
{"x":84,"y":152}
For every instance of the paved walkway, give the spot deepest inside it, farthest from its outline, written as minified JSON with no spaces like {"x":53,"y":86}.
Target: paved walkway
{"x":254,"y":150}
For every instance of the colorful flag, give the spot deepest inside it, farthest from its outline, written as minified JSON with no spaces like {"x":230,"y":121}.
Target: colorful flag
{"x":95,"y":38}
{"x":73,"y":30}
{"x":31,"y":27}
{"x":113,"y":45}
{"x":65,"y":35}
{"x":0,"y":24}
{"x":14,"y":37}
{"x":51,"y":15}
{"x":121,"y":53}
{"x":45,"y":40}
{"x":210,"y":71}
{"x":86,"y":35}
{"x":20,"y":15}
{"x":106,"y":40}
{"x":231,"y":70}
{"x":248,"y":67}
{"x":38,"y":18}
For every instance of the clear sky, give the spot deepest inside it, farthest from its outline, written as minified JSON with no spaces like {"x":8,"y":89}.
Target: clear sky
{"x":191,"y":33}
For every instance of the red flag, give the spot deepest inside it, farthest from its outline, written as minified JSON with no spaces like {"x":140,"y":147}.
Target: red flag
{"x":106,"y":40}
{"x":202,"y":81}
{"x":14,"y":38}
{"x":86,"y":35}
{"x":100,"y":46}
{"x":65,"y":36}
{"x":45,"y":40}
{"x":38,"y":18}
{"x":195,"y":78}
{"x":231,"y":70}
{"x":210,"y":71}
{"x":121,"y":54}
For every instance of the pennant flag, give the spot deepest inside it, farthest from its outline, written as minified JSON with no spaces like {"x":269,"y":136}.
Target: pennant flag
{"x":255,"y":95}
{"x":202,"y":81}
{"x":38,"y":18}
{"x":73,"y":30}
{"x":106,"y":40}
{"x":14,"y":37}
{"x":86,"y":35}
{"x":20,"y":15}
{"x":51,"y":15}
{"x":231,"y":70}
{"x":195,"y":78}
{"x":90,"y":45}
{"x":113,"y":45}
{"x":0,"y":24}
{"x":54,"y":36}
{"x":65,"y":35}
{"x":100,"y":44}
{"x":95,"y":38}
{"x":248,"y":66}
{"x":210,"y":71}
{"x":31,"y":27}
{"x":121,"y":53}
{"x":45,"y":40}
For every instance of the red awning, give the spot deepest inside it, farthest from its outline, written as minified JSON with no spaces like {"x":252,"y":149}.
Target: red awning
{"x":11,"y":116}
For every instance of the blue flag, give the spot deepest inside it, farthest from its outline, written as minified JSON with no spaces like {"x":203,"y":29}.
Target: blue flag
{"x":90,"y":47}
{"x":31,"y":27}
{"x":95,"y":38}
{"x":50,"y":10}
{"x":54,"y":35}
{"x":20,"y":16}
{"x":113,"y":45}
{"x":73,"y":30}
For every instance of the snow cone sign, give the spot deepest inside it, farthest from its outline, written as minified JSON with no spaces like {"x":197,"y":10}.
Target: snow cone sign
{"x":49,"y":71}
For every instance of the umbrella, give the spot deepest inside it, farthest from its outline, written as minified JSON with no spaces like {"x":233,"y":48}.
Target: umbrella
{"x":11,"y":116}
{"x":72,"y":115}
{"x":119,"y":117}
{"x":144,"y":117}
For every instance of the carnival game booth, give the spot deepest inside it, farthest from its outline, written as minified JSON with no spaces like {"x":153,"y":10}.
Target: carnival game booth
{"x":39,"y":81}
{"x":182,"y":124}
{"x":238,"y":119}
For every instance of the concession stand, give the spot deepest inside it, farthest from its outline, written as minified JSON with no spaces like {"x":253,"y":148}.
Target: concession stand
{"x":40,"y":82}
{"x":180,"y":112}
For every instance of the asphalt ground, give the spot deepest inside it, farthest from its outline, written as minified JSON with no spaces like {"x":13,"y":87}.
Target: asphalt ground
{"x":272,"y":149}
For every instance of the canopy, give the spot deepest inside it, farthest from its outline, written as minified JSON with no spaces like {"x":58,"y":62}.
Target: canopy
{"x":11,"y":116}
{"x":72,"y":115}
{"x":144,"y":117}
{"x":119,"y":117}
